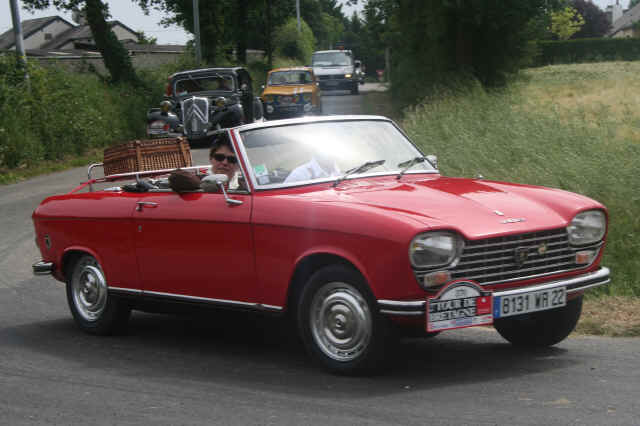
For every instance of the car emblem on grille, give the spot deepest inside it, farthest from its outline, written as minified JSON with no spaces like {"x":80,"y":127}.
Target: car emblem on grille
{"x":520,"y":256}
{"x":542,"y":249}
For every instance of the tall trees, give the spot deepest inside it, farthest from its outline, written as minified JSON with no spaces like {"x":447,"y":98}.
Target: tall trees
{"x":596,"y":22}
{"x":433,"y":42}
{"x":115,"y":56}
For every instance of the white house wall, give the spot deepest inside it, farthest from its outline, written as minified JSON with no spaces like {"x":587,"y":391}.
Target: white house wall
{"x":123,"y":33}
{"x":37,"y":39}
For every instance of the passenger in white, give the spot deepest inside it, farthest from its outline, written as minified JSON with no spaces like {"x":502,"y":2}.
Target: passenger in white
{"x":320,"y":166}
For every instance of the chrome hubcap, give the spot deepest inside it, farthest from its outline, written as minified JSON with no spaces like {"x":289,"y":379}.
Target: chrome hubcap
{"x":90,"y":292}
{"x":340,"y":321}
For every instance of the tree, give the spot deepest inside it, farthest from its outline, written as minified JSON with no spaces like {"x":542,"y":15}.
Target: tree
{"x":632,"y":3}
{"x":145,"y":39}
{"x":566,"y":22}
{"x":292,"y":44}
{"x":596,"y":21}
{"x":115,"y":56}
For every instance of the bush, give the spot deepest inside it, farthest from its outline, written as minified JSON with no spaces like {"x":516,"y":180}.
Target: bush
{"x":293,"y":45}
{"x":59,"y":113}
{"x":588,"y":50}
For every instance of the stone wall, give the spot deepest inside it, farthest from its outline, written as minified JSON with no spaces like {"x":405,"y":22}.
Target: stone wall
{"x":83,"y":63}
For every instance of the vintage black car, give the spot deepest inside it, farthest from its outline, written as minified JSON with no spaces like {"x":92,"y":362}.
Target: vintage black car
{"x":199,"y":102}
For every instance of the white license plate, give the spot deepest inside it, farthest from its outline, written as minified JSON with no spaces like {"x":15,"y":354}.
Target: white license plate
{"x":524,"y":303}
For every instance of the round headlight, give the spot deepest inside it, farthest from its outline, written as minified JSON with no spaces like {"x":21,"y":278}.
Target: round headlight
{"x":221,"y":102}
{"x":435,"y":249}
{"x":587,"y":227}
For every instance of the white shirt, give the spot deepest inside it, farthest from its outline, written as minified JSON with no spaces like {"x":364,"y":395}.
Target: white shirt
{"x":311,"y":170}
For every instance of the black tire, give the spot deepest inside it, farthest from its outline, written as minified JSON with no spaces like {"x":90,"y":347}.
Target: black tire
{"x":93,"y":309}
{"x":355,"y":89}
{"x":541,"y":329}
{"x":339,"y":322}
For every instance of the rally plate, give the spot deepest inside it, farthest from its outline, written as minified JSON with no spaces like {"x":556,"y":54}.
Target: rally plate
{"x":457,"y":305}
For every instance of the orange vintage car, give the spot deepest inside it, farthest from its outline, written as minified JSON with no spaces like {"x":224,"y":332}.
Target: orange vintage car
{"x":291,"y":92}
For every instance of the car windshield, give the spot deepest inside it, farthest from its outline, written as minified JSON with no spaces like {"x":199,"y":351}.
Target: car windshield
{"x":328,"y":59}
{"x":187,"y":84}
{"x":322,"y":151}
{"x":279,"y":78}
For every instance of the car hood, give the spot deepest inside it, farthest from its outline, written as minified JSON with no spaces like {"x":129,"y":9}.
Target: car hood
{"x":475,"y":208}
{"x":288,"y":90}
{"x":332,"y":70}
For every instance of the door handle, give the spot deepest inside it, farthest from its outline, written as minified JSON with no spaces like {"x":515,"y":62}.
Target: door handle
{"x":142,"y":204}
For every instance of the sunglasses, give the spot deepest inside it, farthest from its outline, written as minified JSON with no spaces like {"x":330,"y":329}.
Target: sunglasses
{"x":232,"y":159}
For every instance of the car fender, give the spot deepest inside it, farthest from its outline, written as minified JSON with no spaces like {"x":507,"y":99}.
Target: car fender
{"x":60,"y":272}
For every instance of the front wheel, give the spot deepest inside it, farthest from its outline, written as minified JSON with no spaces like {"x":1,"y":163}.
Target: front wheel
{"x":93,"y":310}
{"x":541,"y":329}
{"x":339,"y":321}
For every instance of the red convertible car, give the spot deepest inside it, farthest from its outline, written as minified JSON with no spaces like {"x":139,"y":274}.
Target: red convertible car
{"x":345,"y":226}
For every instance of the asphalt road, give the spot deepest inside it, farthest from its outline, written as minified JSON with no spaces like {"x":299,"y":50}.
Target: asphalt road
{"x":231,"y":369}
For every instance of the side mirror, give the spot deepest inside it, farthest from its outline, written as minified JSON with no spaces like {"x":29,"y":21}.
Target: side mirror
{"x":433,"y":160}
{"x":214,"y":183}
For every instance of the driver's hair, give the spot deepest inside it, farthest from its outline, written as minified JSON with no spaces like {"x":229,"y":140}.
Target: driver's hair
{"x":218,"y":142}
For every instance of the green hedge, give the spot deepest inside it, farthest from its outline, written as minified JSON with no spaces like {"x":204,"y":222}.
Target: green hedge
{"x":59,"y":113}
{"x":588,"y":50}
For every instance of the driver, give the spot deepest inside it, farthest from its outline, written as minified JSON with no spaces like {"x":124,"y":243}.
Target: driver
{"x":224,"y":161}
{"x":225,"y":84}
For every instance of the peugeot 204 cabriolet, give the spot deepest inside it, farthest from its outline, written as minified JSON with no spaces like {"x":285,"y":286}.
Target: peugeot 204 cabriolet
{"x":346,"y":227}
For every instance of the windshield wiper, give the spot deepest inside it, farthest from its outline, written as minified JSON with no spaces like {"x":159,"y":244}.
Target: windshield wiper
{"x":360,"y":169}
{"x":406,"y":165}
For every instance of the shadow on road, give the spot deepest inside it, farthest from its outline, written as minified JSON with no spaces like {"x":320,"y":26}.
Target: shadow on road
{"x":263,"y":352}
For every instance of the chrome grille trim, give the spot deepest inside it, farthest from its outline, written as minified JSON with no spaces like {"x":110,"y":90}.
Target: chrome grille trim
{"x":492,"y":260}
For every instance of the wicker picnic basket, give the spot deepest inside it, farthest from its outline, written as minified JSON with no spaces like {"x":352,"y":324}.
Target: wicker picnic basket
{"x":145,"y":155}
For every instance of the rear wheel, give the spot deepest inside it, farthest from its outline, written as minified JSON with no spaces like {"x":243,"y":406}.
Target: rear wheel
{"x":541,"y":329}
{"x":93,"y":310}
{"x":339,"y":321}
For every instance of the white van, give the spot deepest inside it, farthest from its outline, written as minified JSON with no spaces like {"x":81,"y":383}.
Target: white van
{"x":335,"y":70}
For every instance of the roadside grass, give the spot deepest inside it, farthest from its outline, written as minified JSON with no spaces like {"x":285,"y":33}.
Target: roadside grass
{"x":613,"y":316}
{"x":8,"y":176}
{"x":531,"y":134}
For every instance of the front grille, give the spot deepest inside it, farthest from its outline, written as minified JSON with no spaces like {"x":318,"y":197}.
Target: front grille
{"x":331,"y":77}
{"x":494,"y":260}
{"x":195,"y":115}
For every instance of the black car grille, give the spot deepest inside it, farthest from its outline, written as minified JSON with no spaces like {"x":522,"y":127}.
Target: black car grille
{"x":515,"y":257}
{"x":331,"y":77}
{"x":195,"y":115}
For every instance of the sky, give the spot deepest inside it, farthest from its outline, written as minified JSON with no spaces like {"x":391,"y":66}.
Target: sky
{"x":131,"y":15}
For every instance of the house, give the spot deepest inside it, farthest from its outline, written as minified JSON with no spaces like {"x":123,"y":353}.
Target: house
{"x":54,"y":40}
{"x":56,"y":33}
{"x":625,"y":26}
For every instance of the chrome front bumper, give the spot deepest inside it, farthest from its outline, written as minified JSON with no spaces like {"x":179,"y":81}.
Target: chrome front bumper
{"x":42,"y":268}
{"x":573,"y":285}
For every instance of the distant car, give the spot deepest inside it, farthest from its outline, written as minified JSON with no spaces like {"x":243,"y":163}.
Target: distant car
{"x":335,"y":70}
{"x":291,"y":92}
{"x":199,"y":102}
{"x":359,"y":71}
{"x":345,"y":227}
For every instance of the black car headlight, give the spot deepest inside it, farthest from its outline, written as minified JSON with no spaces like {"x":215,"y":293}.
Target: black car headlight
{"x":435,"y":249}
{"x":587,"y":227}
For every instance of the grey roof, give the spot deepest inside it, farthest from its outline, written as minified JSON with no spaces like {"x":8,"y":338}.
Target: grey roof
{"x":29,"y":26}
{"x":81,"y":32}
{"x":629,"y":18}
